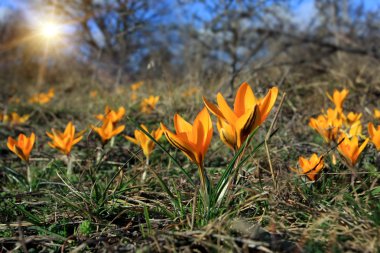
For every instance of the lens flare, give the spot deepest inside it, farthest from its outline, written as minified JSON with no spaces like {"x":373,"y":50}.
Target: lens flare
{"x":50,"y":30}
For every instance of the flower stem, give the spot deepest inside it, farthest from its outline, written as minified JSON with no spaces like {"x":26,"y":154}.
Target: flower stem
{"x":29,"y":176}
{"x":204,"y":188}
{"x":143,"y":177}
{"x":112,"y":142}
{"x":98,"y":155}
{"x":69,"y":172}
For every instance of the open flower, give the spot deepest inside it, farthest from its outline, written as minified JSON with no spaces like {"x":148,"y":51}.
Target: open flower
{"x":144,"y":141}
{"x":23,"y":146}
{"x":108,"y":130}
{"x":327,"y":125}
{"x":149,"y":104}
{"x":310,"y":167}
{"x":136,"y":86}
{"x":350,"y":150}
{"x":15,"y":119}
{"x":249,"y":112}
{"x":42,"y":98}
{"x":112,"y":115}
{"x":374,"y":133}
{"x":192,"y":140}
{"x":64,"y":141}
{"x":338,"y":98}
{"x":352,"y":118}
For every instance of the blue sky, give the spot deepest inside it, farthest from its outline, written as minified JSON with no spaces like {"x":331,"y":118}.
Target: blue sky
{"x":368,"y":4}
{"x":303,"y":10}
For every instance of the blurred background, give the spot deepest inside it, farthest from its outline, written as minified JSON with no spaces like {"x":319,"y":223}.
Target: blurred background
{"x":114,"y":43}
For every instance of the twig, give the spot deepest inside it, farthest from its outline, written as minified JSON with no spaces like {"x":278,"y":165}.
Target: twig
{"x":267,"y":137}
{"x":21,"y":236}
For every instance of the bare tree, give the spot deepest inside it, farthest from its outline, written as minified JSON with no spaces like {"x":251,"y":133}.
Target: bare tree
{"x":116,"y":33}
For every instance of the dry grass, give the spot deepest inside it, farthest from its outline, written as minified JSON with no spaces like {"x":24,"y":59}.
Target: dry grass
{"x":63,"y":214}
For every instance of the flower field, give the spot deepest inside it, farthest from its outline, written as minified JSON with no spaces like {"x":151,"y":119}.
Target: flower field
{"x":152,"y":168}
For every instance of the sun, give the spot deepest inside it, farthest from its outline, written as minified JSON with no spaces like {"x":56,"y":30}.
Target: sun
{"x":50,"y":30}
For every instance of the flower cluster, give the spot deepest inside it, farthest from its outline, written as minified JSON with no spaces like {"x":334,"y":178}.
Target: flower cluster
{"x":109,"y":127}
{"x":344,"y":130}
{"x":42,"y":98}
{"x":14,"y":118}
{"x":64,"y":141}
{"x":149,"y":104}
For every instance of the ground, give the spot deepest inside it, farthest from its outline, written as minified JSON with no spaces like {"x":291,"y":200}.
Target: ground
{"x":106,"y":206}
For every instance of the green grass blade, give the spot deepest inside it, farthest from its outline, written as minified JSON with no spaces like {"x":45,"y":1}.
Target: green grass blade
{"x":224,"y":178}
{"x":31,"y":217}
{"x":167,"y":152}
{"x":165,"y":187}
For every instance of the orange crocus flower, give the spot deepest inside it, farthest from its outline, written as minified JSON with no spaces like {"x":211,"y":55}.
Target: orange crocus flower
{"x":18,"y":119}
{"x":144,"y":141}
{"x":310,"y":167}
{"x":23,"y":146}
{"x":42,"y":98}
{"x":249,"y":113}
{"x":352,"y":117}
{"x":338,"y":98}
{"x":148,"y":104}
{"x":350,"y":149}
{"x":192,"y":140}
{"x":112,"y":115}
{"x":137,"y":85}
{"x":15,"y":119}
{"x":66,"y":140}
{"x":327,"y":125}
{"x":108,"y":130}
{"x":374,"y":133}
{"x":376,"y":114}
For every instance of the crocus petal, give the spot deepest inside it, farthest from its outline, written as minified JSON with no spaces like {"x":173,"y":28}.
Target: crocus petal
{"x":131,"y":139}
{"x":227,"y":133}
{"x":50,"y":135}
{"x":371,"y":129}
{"x":245,"y":125}
{"x":31,"y":140}
{"x":11,"y":144}
{"x":361,"y":148}
{"x":213,"y":108}
{"x":69,"y":129}
{"x":203,"y":124}
{"x":244,"y":100}
{"x":157,"y":134}
{"x":76,"y":140}
{"x":118,"y":130}
{"x":184,"y":146}
{"x":229,"y":115}
{"x":181,"y":125}
{"x":267,"y":104}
